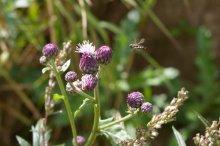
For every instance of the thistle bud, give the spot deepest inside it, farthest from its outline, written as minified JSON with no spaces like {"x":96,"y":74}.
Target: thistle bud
{"x":80,"y":140}
{"x":70,"y":76}
{"x":135,"y":99}
{"x":104,"y":54}
{"x":88,"y":82}
{"x":88,"y":64}
{"x":50,"y":50}
{"x":146,"y":107}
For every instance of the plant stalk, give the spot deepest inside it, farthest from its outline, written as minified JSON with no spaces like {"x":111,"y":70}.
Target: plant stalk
{"x":129,"y":116}
{"x":67,"y":104}
{"x":95,"y":127}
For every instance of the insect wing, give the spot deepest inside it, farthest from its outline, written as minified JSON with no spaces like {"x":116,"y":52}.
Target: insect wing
{"x":141,"y":41}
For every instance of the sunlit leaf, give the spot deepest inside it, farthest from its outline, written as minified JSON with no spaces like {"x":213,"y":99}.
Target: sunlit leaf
{"x":66,"y":65}
{"x":179,"y":137}
{"x":39,"y":133}
{"x":22,"y":3}
{"x":170,"y":72}
{"x":21,"y":141}
{"x":45,"y":69}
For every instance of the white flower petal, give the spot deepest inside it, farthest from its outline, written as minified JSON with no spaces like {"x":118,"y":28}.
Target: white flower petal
{"x":85,"y":48}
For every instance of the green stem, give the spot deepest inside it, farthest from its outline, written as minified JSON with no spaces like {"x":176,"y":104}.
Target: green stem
{"x":129,"y":116}
{"x":95,"y":127}
{"x":80,"y":92}
{"x":66,"y":102}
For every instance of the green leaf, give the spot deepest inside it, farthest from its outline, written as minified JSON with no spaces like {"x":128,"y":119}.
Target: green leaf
{"x":116,"y":134}
{"x":66,"y":65}
{"x":170,"y":73}
{"x":57,"y":97}
{"x":203,"y":120}
{"x":45,"y":69}
{"x":111,"y":27}
{"x":179,"y":137}
{"x":21,"y":141}
{"x":40,"y":133}
{"x":60,"y":145}
{"x":83,"y":105}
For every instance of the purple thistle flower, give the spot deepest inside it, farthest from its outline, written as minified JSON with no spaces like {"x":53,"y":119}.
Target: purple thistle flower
{"x":85,"y":48}
{"x":146,"y":107}
{"x":135,"y":99}
{"x":80,"y":140}
{"x":88,"y":64}
{"x":88,"y":82}
{"x":104,"y":54}
{"x":50,"y":50}
{"x":70,"y":76}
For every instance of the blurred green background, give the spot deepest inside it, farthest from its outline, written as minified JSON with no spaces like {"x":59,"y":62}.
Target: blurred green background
{"x":182,"y":40}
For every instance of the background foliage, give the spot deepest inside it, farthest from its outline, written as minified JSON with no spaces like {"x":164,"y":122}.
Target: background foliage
{"x":183,"y":50}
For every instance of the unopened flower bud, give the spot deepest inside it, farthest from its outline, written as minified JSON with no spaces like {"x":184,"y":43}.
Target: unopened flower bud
{"x":146,"y":107}
{"x":50,"y":50}
{"x":104,"y":54}
{"x":70,"y":76}
{"x":43,"y":60}
{"x":88,"y":82}
{"x":135,"y":99}
{"x":88,"y":64}
{"x":80,"y":140}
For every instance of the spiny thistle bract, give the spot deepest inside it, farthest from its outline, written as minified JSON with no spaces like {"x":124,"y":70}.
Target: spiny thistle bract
{"x":88,"y":82}
{"x":88,"y":64}
{"x":70,"y":76}
{"x":50,"y":50}
{"x":104,"y":54}
{"x":135,"y":99}
{"x":146,"y":107}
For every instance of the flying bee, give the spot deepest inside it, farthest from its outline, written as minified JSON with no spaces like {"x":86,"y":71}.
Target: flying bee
{"x":138,"y":45}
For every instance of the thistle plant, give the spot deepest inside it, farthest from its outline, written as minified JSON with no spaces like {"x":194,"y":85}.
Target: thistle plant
{"x":91,"y":62}
{"x":90,"y":65}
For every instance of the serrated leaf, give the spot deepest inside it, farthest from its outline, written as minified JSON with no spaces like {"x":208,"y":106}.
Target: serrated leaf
{"x":21,"y":141}
{"x":45,"y":69}
{"x":66,"y":65}
{"x":57,"y":97}
{"x":116,"y":134}
{"x":179,"y":137}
